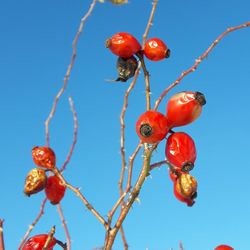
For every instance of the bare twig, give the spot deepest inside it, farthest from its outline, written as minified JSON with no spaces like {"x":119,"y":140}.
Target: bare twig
{"x":150,"y":22}
{"x":181,"y":246}
{"x":49,"y":239}
{"x":134,"y":194}
{"x":60,"y":212}
{"x":198,"y":61}
{"x":1,"y":235}
{"x":125,"y":244}
{"x":68,"y":72}
{"x":146,"y":73}
{"x":82,"y":198}
{"x":74,"y":136}
{"x":41,"y":212}
{"x":122,"y":122}
{"x":158,"y":164}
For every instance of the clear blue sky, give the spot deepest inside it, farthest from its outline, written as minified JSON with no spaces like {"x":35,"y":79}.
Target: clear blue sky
{"x":35,"y":49}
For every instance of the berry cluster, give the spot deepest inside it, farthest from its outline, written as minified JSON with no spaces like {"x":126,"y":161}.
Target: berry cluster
{"x":152,"y":127}
{"x":37,"y":180}
{"x":126,"y":46}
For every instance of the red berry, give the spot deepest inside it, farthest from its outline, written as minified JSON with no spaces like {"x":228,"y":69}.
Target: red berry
{"x":44,"y":157}
{"x":152,"y":127}
{"x":35,"y":181}
{"x":54,"y":190}
{"x":184,"y":107}
{"x":180,"y":151}
{"x":223,"y":247}
{"x":123,"y":44}
{"x":155,"y":49}
{"x":185,"y":189}
{"x":37,"y":242}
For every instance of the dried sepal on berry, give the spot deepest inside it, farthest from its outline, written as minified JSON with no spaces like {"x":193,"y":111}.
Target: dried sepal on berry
{"x":184,"y":108}
{"x":155,"y":49}
{"x":180,"y":151}
{"x":44,"y":157}
{"x":35,"y":181}
{"x":152,"y":127}
{"x":123,"y":44}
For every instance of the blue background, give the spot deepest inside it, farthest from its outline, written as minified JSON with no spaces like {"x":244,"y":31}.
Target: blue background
{"x":35,"y":49}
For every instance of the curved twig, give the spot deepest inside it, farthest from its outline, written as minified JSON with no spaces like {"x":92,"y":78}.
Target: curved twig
{"x":198,"y":61}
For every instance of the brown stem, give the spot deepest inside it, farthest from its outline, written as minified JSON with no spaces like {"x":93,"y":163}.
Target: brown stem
{"x":68,"y":72}
{"x":122,"y":122}
{"x":158,"y":164}
{"x":41,"y":212}
{"x":66,"y":230}
{"x":82,"y":198}
{"x":125,"y":244}
{"x":134,"y":194}
{"x":49,"y":238}
{"x":150,"y":22}
{"x":1,"y":235}
{"x":146,"y":77}
{"x":198,"y":61}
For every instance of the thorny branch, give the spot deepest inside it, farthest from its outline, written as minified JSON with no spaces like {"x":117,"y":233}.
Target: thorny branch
{"x":1,"y":235}
{"x":198,"y":61}
{"x":41,"y":212}
{"x":146,"y":73}
{"x":68,"y":72}
{"x":82,"y":198}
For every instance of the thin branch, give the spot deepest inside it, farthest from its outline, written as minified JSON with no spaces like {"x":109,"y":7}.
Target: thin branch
{"x":199,"y":60}
{"x":181,"y":246}
{"x":74,"y":135}
{"x":60,"y":212}
{"x":122,"y":122}
{"x":1,"y":235}
{"x":131,"y":164}
{"x":41,"y":212}
{"x":134,"y":194}
{"x":125,"y":244}
{"x":150,"y":22}
{"x":146,"y":73}
{"x":68,"y":72}
{"x":49,"y":239}
{"x":82,"y":198}
{"x":158,"y":164}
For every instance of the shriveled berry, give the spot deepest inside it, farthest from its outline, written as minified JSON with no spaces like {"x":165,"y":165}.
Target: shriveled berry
{"x":44,"y":157}
{"x":54,"y":189}
{"x":35,"y":181}
{"x":123,"y":44}
{"x":185,"y":107}
{"x":180,"y":151}
{"x":37,"y":242}
{"x":152,"y":127}
{"x":185,"y":189}
{"x":126,"y":68}
{"x":155,"y":49}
